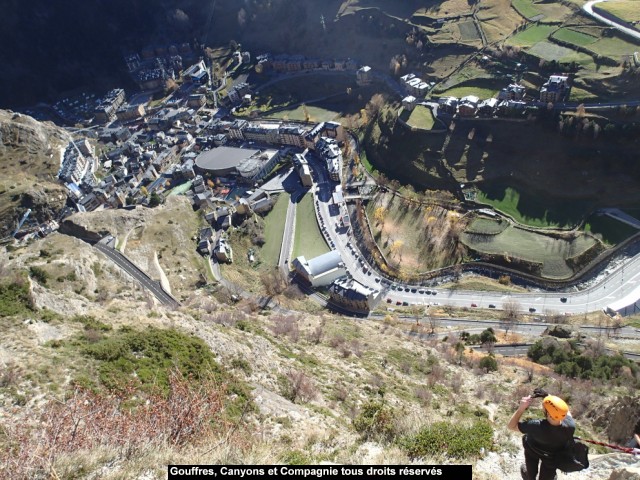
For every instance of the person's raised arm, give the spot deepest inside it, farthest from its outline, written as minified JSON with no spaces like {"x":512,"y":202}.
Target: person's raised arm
{"x":524,"y":404}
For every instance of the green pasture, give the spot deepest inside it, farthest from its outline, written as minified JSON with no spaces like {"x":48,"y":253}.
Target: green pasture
{"x":274,"y":229}
{"x":526,"y":8}
{"x":574,"y":37}
{"x":531,"y":209}
{"x":421,"y":117}
{"x":481,"y":87}
{"x":531,"y":36}
{"x":308,"y":238}
{"x":531,"y":246}
{"x":316,"y":114}
{"x":614,"y":46}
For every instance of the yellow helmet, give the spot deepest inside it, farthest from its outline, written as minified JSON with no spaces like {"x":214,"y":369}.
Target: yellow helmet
{"x":555,"y":407}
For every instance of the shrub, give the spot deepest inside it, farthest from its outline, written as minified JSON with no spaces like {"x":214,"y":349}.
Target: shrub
{"x":87,"y":419}
{"x":299,"y":387}
{"x":488,"y":336}
{"x":90,"y":323}
{"x":570,"y":360}
{"x":286,"y":326}
{"x":39,"y":275}
{"x":457,"y":441}
{"x":376,"y":421}
{"x":148,"y":355}
{"x":489,"y":363}
{"x":15,"y":297}
{"x":296,"y":457}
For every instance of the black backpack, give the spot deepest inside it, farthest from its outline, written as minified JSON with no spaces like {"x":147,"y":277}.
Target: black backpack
{"x":573,"y":458}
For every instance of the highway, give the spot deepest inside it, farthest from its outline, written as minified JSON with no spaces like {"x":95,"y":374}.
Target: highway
{"x":521,"y":349}
{"x":531,"y":329}
{"x":616,"y":282}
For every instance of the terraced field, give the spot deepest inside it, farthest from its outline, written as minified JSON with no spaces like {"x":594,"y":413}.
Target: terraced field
{"x":614,"y":47}
{"x":542,"y":11}
{"x":468,"y":31}
{"x":574,"y":37}
{"x":487,"y":226}
{"x":532,"y":35}
{"x":481,"y":87}
{"x":550,"y":51}
{"x":515,"y":242}
{"x":526,"y":8}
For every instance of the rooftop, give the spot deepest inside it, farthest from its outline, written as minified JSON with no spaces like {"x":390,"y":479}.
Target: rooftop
{"x":324,"y":263}
{"x":222,"y":158}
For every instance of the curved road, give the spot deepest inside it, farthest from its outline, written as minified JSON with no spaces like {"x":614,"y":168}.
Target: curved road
{"x":615,"y":283}
{"x":588,"y":7}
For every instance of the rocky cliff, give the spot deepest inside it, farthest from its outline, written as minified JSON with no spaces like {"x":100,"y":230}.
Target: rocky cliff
{"x":30,"y":153}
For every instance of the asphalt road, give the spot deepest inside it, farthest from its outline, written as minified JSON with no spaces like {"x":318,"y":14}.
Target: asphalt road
{"x":588,"y":7}
{"x":617,"y":282}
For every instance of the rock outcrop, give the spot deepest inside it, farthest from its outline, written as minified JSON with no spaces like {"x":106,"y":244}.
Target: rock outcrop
{"x":619,"y":420}
{"x":29,"y":161}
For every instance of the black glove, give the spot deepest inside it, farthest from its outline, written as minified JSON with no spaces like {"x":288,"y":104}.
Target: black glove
{"x":539,"y":393}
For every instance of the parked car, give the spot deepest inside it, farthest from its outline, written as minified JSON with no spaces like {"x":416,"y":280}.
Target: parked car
{"x":491,"y":305}
{"x":563,"y":299}
{"x":474,"y":304}
{"x":531,"y":309}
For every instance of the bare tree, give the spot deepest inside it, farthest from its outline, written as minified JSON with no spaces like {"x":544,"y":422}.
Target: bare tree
{"x":417,"y":312}
{"x":433,"y":323}
{"x":510,"y":315}
{"x":300,"y":387}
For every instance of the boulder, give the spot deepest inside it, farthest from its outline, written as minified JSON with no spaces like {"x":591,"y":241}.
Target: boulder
{"x":620,"y":419}
{"x":625,"y":473}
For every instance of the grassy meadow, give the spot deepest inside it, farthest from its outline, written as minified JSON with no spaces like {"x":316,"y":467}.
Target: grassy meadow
{"x":421,"y":117}
{"x":523,"y":244}
{"x":308,"y":238}
{"x":273,"y":230}
{"x":627,"y":10}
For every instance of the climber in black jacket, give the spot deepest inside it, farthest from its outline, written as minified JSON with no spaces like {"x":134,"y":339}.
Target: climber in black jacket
{"x":543,"y":438}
